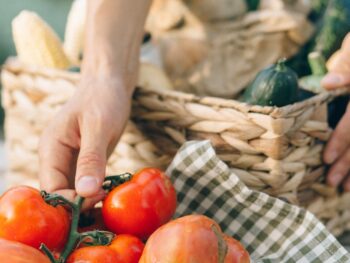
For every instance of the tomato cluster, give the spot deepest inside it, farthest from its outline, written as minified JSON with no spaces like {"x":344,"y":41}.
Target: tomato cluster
{"x":137,"y":208}
{"x":140,"y":206}
{"x":123,"y":249}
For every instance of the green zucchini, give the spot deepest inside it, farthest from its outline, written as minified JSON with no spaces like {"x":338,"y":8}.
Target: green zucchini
{"x":318,"y":7}
{"x":253,"y":4}
{"x":318,"y":68}
{"x":274,"y":86}
{"x":332,"y":20}
{"x":334,"y":27}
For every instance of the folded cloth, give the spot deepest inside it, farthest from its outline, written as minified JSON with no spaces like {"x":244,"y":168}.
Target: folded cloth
{"x":270,"y":229}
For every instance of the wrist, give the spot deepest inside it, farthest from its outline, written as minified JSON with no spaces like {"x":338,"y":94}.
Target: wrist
{"x":118,"y":83}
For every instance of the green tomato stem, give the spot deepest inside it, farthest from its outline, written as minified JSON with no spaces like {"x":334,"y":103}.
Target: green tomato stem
{"x":99,"y":238}
{"x":113,"y":181}
{"x":48,"y":253}
{"x":75,"y":238}
{"x":74,"y":235}
{"x":55,"y":200}
{"x":281,"y":64}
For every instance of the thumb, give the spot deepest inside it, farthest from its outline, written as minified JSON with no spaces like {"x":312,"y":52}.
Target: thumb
{"x":91,"y":165}
{"x":336,"y":80}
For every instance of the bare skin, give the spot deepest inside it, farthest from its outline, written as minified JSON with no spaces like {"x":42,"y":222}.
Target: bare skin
{"x":75,"y":146}
{"x":337,"y":152}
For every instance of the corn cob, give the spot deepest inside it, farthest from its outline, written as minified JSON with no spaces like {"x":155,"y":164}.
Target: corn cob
{"x":153,"y":77}
{"x":75,"y":31}
{"x":36,"y":42}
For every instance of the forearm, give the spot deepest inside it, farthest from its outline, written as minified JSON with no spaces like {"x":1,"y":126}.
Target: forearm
{"x":113,"y":37}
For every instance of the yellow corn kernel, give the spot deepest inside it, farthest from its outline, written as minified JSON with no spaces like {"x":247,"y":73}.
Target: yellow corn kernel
{"x":153,"y":77}
{"x":37,"y":43}
{"x":75,"y":31}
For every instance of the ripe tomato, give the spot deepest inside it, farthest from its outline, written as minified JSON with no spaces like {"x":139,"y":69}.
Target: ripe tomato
{"x":97,"y":254}
{"x":129,"y":248}
{"x":15,"y":252}
{"x":123,"y":249}
{"x":140,"y":206}
{"x":236,"y":253}
{"x":26,"y":218}
{"x":194,"y":238}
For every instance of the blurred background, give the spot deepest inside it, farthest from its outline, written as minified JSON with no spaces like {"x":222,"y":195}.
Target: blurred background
{"x":53,"y":11}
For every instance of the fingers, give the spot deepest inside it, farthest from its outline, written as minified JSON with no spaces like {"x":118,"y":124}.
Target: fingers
{"x":335,"y":80}
{"x":346,"y":43}
{"x":339,"y":67}
{"x":91,"y":165}
{"x":60,"y":164}
{"x":56,"y":162}
{"x":337,"y":152}
{"x":340,"y":140}
{"x":339,"y":170}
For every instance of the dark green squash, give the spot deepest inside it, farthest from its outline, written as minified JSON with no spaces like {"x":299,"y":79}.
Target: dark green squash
{"x":274,"y":86}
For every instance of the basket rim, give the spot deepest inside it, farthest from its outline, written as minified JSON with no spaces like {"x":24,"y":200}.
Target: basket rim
{"x":276,"y":112}
{"x":14,"y":65}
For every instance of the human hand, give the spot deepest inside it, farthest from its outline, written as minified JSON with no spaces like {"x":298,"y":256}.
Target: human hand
{"x":75,"y":146}
{"x":338,"y":66}
{"x":337,"y":152}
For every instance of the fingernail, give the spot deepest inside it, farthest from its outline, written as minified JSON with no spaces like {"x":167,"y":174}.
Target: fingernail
{"x":335,"y":179}
{"x":87,"y":186}
{"x":331,"y":157}
{"x":331,"y":79}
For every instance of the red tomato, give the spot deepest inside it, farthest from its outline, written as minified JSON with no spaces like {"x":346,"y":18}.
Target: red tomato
{"x":97,"y":254}
{"x":26,"y":218}
{"x":129,"y":248}
{"x":140,"y":206}
{"x":123,"y":249}
{"x":193,"y":238}
{"x":236,"y":253}
{"x":15,"y":252}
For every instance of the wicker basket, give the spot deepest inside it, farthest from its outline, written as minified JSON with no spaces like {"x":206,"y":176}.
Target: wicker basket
{"x":275,"y":150}
{"x":31,"y":96}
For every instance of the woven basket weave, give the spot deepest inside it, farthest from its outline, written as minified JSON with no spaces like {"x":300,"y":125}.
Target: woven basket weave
{"x":274,"y":150}
{"x":31,"y":97}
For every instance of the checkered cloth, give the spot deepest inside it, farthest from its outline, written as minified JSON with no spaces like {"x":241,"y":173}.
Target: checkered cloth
{"x":271,"y":229}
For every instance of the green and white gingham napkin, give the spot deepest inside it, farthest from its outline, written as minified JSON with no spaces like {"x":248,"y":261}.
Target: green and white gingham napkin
{"x":271,"y":229}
